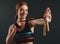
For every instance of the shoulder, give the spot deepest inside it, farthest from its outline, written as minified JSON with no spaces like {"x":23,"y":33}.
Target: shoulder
{"x":30,"y":21}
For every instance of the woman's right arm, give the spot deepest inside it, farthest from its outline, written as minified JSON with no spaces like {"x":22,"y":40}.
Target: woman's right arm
{"x":11,"y":33}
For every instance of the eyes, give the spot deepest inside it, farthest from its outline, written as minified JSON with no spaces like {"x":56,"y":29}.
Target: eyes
{"x":22,"y":9}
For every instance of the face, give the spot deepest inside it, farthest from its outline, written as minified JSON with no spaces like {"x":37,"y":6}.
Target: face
{"x":23,"y":11}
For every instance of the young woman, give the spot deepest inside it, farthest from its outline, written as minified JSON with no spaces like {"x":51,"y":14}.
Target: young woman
{"x":22,"y":31}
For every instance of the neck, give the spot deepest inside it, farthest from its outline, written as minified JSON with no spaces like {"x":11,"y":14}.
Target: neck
{"x":21,"y":19}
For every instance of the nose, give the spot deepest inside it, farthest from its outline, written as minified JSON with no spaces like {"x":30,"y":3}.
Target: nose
{"x":24,"y":12}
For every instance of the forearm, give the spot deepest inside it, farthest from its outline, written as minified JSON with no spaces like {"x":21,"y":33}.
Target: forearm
{"x":39,"y":21}
{"x":10,"y":38}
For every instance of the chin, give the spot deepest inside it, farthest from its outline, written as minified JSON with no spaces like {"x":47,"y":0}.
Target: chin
{"x":23,"y":17}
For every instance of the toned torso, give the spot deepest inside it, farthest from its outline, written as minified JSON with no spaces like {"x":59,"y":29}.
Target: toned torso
{"x":22,"y":27}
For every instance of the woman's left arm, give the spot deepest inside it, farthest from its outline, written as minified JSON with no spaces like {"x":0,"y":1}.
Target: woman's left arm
{"x":40,"y":21}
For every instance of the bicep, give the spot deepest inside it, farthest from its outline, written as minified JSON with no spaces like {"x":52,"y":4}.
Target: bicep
{"x":32,"y":29}
{"x":9,"y":32}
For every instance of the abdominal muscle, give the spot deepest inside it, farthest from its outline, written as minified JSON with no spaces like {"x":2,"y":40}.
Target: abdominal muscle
{"x":27,"y":43}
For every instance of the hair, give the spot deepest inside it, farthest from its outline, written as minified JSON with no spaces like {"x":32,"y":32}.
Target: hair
{"x":18,"y":5}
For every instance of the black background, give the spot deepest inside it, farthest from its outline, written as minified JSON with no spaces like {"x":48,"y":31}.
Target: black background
{"x":36,"y":9}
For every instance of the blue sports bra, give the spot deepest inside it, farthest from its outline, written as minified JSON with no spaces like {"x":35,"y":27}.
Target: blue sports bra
{"x":25,"y":35}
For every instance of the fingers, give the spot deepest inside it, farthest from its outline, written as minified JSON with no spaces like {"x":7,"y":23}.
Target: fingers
{"x":47,"y":14}
{"x":14,"y":29}
{"x":18,"y":13}
{"x":47,"y":11}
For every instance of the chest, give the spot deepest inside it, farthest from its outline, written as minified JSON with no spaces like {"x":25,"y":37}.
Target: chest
{"x":23,"y":24}
{"x":21,"y":27}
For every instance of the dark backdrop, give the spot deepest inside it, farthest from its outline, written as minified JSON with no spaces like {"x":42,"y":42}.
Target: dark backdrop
{"x":36,"y":9}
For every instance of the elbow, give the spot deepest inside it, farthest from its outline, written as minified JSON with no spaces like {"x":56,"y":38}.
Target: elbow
{"x":8,"y":41}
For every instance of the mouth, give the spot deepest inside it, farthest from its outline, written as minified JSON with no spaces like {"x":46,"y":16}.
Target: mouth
{"x":23,"y":16}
